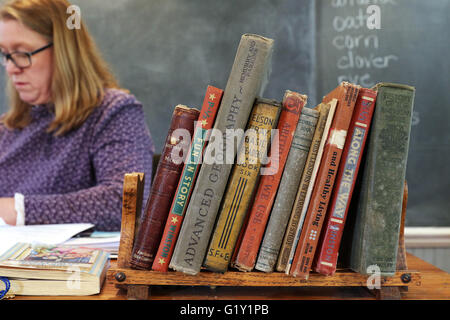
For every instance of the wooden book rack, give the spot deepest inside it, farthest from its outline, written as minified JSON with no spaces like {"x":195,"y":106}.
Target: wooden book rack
{"x":138,"y":282}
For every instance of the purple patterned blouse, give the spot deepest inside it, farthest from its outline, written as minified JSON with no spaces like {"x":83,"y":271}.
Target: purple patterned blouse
{"x":77,"y":177}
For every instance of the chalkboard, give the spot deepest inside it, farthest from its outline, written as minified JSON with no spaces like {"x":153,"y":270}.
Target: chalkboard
{"x":167,"y":52}
{"x":410,"y":47}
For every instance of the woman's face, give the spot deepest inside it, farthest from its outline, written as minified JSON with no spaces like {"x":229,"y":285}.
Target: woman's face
{"x":33,"y":83}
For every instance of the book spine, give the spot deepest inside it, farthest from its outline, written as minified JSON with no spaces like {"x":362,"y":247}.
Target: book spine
{"x":330,"y":239}
{"x":276,"y":227}
{"x":294,"y":219}
{"x":247,"y":80}
{"x":331,"y":107}
{"x":243,"y":228}
{"x":247,"y":216}
{"x":162,"y":191}
{"x":326,"y":176}
{"x":186,"y":183}
{"x":292,"y":106}
{"x":378,"y":213}
{"x":241,"y":185}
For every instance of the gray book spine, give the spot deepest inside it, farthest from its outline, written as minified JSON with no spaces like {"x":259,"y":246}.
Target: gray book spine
{"x":248,"y":78}
{"x":287,"y":191}
{"x":379,"y":207}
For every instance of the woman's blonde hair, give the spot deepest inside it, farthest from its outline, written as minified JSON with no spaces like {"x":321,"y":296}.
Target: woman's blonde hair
{"x":80,"y":74}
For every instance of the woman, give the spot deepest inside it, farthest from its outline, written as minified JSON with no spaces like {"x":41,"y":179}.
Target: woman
{"x":71,"y":133}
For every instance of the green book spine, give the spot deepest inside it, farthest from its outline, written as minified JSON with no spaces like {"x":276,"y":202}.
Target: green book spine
{"x":247,"y":80}
{"x":379,"y":208}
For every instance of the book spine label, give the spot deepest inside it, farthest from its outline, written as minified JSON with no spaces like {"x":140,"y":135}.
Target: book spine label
{"x":186,"y":183}
{"x":325,"y":180}
{"x":162,"y":191}
{"x":331,"y":107}
{"x":285,"y":198}
{"x":378,"y":214}
{"x":292,"y":106}
{"x":328,"y":248}
{"x":247,"y":79}
{"x":241,"y":186}
{"x":294,"y":219}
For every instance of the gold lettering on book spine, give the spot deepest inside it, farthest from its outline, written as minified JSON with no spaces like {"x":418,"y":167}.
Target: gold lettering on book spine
{"x":241,"y":186}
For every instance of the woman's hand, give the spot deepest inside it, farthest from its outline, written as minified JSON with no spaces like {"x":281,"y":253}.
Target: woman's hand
{"x":7,"y":211}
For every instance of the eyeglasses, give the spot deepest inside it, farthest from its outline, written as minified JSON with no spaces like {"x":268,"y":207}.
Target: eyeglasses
{"x":20,"y":59}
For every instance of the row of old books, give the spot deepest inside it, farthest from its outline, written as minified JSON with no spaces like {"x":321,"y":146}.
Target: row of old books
{"x":256,"y":184}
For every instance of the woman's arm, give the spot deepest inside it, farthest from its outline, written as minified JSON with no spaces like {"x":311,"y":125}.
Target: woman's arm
{"x":7,"y":211}
{"x":121,"y":143}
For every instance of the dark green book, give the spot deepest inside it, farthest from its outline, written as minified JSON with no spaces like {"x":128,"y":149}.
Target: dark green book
{"x":379,"y":208}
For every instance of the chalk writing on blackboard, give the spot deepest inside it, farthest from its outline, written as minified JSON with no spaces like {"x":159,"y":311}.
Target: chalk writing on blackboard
{"x":361,"y":57}
{"x":358,"y":45}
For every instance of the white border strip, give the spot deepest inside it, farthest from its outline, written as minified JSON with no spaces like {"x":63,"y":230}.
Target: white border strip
{"x":427,"y":237}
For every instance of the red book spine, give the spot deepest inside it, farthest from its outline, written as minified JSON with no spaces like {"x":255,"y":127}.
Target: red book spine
{"x":292,"y":106}
{"x":242,"y":232}
{"x":346,"y":94}
{"x":163,"y":189}
{"x":330,"y":239}
{"x":186,"y":183}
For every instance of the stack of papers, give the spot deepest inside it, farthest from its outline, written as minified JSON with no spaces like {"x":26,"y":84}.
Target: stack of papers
{"x":107,"y":241}
{"x":57,"y":234}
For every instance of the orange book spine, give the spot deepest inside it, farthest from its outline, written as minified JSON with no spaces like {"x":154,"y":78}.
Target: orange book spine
{"x":186,"y":183}
{"x":346,"y":95}
{"x":292,"y":106}
{"x":241,"y":234}
{"x":326,"y":258}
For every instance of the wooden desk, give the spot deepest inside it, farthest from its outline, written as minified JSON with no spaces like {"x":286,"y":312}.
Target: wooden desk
{"x":435,"y":286}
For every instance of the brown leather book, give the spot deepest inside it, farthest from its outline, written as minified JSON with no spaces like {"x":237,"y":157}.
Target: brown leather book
{"x":163,"y":188}
{"x":346,"y":94}
{"x":210,"y":106}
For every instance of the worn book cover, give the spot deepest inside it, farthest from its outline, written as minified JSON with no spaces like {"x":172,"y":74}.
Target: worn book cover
{"x":329,"y":110}
{"x":188,"y":177}
{"x":292,"y":106}
{"x":40,"y":270}
{"x":276,"y":227}
{"x":378,"y":213}
{"x":346,"y":94}
{"x":294,"y":218}
{"x":132,"y":196}
{"x":163,"y":187}
{"x":247,"y":80}
{"x":241,"y":184}
{"x":328,"y":248}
